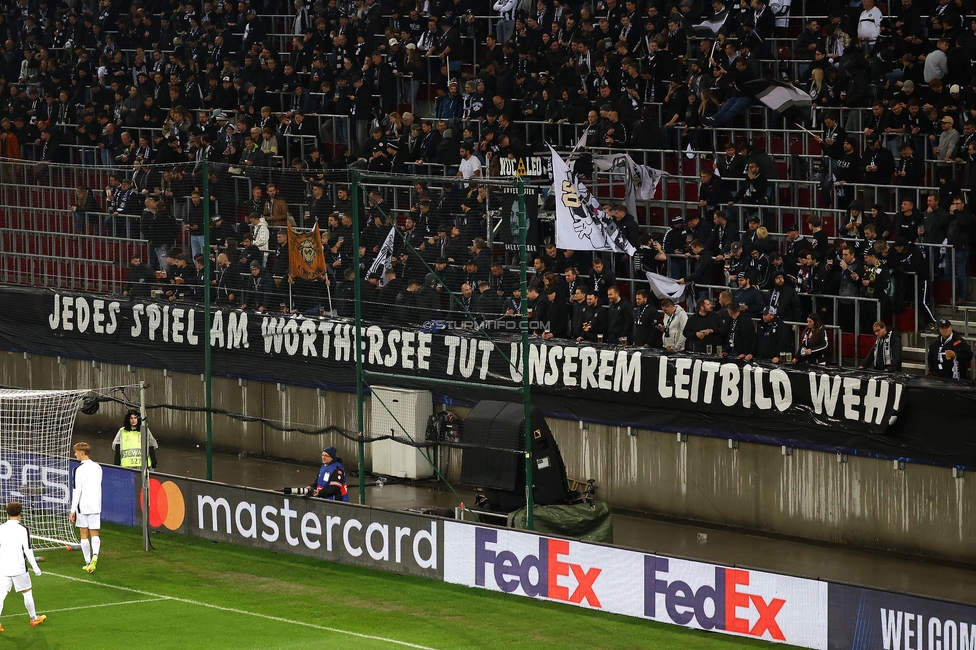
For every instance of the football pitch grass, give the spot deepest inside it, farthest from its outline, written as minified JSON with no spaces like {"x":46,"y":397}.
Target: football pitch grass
{"x":191,"y":593}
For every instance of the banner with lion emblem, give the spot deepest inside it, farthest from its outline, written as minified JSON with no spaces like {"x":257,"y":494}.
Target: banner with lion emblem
{"x":306,"y":259}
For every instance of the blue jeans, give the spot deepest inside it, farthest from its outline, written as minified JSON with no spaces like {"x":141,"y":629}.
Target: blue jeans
{"x":732,"y":107}
{"x":504,"y":29}
{"x":196,"y":244}
{"x":161,"y":252}
{"x":962,"y":273}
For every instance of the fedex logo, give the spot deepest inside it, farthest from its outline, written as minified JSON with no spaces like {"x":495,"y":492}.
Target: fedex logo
{"x":549,"y":574}
{"x":726,"y":604}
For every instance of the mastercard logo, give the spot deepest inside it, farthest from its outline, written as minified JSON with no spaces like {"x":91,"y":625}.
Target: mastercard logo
{"x":166,"y":505}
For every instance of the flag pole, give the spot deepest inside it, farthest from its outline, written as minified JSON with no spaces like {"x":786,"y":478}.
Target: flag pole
{"x":806,"y":130}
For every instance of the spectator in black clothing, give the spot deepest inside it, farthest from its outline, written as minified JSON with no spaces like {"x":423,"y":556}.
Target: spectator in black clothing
{"x":909,"y":222}
{"x":909,"y":172}
{"x":703,"y":331}
{"x":813,"y":343}
{"x":949,"y":354}
{"x":139,"y":279}
{"x":712,"y":191}
{"x":620,"y":319}
{"x":646,"y":318}
{"x":909,"y":258}
{"x":959,"y":236}
{"x":486,"y":304}
{"x":603,"y":278}
{"x":627,"y":224}
{"x":593,"y":320}
{"x":748,"y":295}
{"x":878,"y":165}
{"x":220,"y":231}
{"x":833,"y":137}
{"x":754,"y":188}
{"x":226,"y":281}
{"x":783,"y":300}
{"x":722,"y":236}
{"x":796,"y":244}
{"x":702,"y":273}
{"x":502,"y":281}
{"x":538,"y":304}
{"x":259,"y":289}
{"x":557,"y":315}
{"x":885,"y":354}
{"x":774,"y":338}
{"x":848,"y":173}
{"x":740,"y":337}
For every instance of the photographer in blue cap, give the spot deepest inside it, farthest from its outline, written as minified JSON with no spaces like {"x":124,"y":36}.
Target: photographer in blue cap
{"x":331,"y":481}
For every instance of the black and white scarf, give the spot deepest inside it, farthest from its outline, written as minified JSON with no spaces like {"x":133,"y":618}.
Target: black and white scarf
{"x":882,"y":351}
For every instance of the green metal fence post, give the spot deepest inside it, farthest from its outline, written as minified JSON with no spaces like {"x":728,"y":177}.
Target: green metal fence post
{"x":526,"y":384}
{"x":360,"y":419}
{"x":207,"y":361}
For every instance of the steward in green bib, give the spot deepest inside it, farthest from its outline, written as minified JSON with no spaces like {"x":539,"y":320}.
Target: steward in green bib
{"x":128,"y":443}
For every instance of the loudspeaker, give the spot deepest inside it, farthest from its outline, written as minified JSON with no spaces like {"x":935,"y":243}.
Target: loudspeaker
{"x":497,"y":426}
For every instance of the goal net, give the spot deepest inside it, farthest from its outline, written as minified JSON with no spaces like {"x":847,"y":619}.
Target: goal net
{"x":35,"y":451}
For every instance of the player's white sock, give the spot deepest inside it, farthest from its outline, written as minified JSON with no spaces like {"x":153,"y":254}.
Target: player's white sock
{"x":96,"y":543}
{"x":3,"y":597}
{"x":29,"y":604}
{"x":86,"y":549}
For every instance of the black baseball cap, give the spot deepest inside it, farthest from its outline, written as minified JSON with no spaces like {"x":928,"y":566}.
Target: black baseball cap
{"x":944,"y":323}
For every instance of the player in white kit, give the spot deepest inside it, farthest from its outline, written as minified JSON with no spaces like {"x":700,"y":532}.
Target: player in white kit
{"x":86,"y":504}
{"x":15,"y":545}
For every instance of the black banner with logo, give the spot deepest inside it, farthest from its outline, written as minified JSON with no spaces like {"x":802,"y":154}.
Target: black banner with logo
{"x":329,"y":530}
{"x":856,"y":411}
{"x":867,"y":619}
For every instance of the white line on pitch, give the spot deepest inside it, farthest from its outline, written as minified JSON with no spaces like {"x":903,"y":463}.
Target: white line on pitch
{"x":71,"y":609}
{"x":234,"y":610}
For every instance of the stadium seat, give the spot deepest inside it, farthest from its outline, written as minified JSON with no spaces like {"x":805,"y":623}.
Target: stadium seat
{"x":942,"y":292}
{"x":905,"y":320}
{"x":655,"y":216}
{"x":803,"y":198}
{"x":864,"y":344}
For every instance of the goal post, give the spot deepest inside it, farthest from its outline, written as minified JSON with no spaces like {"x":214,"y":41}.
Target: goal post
{"x":35,"y":452}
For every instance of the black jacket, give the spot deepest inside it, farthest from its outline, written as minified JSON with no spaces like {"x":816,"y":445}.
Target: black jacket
{"x":593,"y":323}
{"x":645,"y":321}
{"x":740,"y":338}
{"x":879,"y":359}
{"x":697,"y":323}
{"x":620,"y":320}
{"x":139,"y":281}
{"x":774,"y":339}
{"x":786,"y":303}
{"x":953,"y":368}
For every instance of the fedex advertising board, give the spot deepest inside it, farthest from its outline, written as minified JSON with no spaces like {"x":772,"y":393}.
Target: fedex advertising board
{"x":692,"y":594}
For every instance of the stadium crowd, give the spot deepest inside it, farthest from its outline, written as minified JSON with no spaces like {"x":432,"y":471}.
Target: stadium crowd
{"x":153,"y":89}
